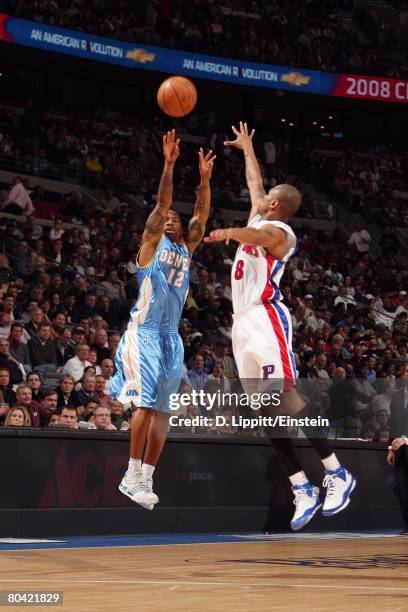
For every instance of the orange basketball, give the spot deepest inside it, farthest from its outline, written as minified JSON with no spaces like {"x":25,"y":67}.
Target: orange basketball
{"x":177,"y":96}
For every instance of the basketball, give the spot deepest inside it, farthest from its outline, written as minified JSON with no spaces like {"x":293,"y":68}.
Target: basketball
{"x":177,"y":96}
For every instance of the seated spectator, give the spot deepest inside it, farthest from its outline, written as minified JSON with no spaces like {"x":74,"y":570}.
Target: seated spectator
{"x":24,"y":398}
{"x":16,"y":370}
{"x":102,"y":419}
{"x":67,"y":396}
{"x":307,"y":367}
{"x":100,"y":392}
{"x":87,"y":389}
{"x":117,"y":416}
{"x":197,"y":375}
{"x":7,"y":395}
{"x":18,"y":416}
{"x":101,"y":345}
{"x":69,"y":417}
{"x":85,"y":412}
{"x":63,"y":347}
{"x":5,"y":325}
{"x":48,"y":405}
{"x":35,"y":318}
{"x":18,"y":346}
{"x":34,"y":382}
{"x":42,"y":350}
{"x":107,"y":369}
{"x":382,"y":436}
{"x":76,"y":365}
{"x":219,"y":377}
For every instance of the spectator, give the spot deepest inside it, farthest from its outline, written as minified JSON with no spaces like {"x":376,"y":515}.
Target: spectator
{"x":63,"y":347}
{"x":87,"y":389}
{"x":102,"y":419}
{"x":117,"y":416}
{"x":100,"y":393}
{"x":18,"y":348}
{"x":101,"y":345}
{"x":18,"y":416}
{"x":67,"y":396}
{"x":69,"y":417}
{"x":34,"y":382}
{"x":197,"y":375}
{"x":48,"y":405}
{"x":219,"y":377}
{"x":361,"y":239}
{"x":24,"y":398}
{"x":16,"y":370}
{"x":35,"y":320}
{"x":42,"y":350}
{"x":7,"y":395}
{"x":107,"y":369}
{"x":76,"y":365}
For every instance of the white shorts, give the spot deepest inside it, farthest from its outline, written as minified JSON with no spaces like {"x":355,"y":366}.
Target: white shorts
{"x":262,"y":343}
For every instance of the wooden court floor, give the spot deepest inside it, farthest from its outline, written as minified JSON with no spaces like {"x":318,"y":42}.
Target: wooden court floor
{"x":306,"y":574}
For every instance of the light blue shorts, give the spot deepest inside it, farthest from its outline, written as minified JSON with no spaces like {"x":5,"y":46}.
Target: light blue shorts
{"x":149,"y":365}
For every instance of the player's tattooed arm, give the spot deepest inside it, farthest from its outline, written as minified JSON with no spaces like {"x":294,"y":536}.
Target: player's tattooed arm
{"x":157,"y":218}
{"x":196,"y":227}
{"x":253,"y":172}
{"x":269,"y":236}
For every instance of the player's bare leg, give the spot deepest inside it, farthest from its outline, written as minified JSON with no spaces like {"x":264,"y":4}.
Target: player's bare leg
{"x":134,"y":483}
{"x":156,"y":437}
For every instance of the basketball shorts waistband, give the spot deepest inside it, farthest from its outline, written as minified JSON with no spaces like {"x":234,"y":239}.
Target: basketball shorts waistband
{"x":238,"y":315}
{"x":154,"y":328}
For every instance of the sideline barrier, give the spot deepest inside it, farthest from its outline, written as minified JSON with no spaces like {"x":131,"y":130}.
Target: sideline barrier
{"x":60,"y":483}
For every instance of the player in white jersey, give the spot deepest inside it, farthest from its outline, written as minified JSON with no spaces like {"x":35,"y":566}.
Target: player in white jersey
{"x":262,"y":331}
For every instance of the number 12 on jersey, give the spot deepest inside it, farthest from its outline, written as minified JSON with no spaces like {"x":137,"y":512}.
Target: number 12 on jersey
{"x":174,"y":280}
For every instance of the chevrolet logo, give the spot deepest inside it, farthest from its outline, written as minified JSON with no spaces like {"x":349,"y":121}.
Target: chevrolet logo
{"x":140,"y":56}
{"x":295,"y":78}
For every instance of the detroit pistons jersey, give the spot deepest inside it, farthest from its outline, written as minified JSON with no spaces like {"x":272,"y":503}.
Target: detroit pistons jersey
{"x":256,"y":275}
{"x":163,"y":287}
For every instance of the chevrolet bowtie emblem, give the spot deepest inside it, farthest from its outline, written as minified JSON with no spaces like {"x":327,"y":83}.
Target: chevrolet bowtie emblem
{"x":295,"y":78}
{"x":140,"y":56}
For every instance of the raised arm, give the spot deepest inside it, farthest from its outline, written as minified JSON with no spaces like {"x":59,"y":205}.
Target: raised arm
{"x":196,"y":227}
{"x":253,"y":172}
{"x":270,"y":237}
{"x":157,"y":218}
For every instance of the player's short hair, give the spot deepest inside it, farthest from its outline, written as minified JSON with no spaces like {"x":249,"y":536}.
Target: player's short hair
{"x":289,"y":198}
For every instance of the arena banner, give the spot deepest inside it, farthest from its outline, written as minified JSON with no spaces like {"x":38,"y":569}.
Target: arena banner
{"x":133,"y":55}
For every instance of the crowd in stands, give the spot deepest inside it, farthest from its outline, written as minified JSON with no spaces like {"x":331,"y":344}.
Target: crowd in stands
{"x":111,"y":150}
{"x":315,"y":34}
{"x":66,"y":291}
{"x":376,"y":182}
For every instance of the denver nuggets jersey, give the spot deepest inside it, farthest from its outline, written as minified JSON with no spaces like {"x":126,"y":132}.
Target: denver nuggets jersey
{"x":256,"y":275}
{"x":164,"y":285}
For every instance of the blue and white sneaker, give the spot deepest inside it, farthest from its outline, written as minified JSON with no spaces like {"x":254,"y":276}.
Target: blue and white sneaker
{"x":307,"y":501}
{"x":138,"y":490}
{"x":340,"y":484}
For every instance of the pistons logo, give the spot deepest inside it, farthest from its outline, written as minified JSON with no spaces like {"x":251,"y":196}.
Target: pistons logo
{"x":268,"y":370}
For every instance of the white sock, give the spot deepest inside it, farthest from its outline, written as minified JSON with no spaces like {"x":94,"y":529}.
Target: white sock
{"x":299,"y":478}
{"x":147,"y":470}
{"x":331,"y":462}
{"x":135,"y":465}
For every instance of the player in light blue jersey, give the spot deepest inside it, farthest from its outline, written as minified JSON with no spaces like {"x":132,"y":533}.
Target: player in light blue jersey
{"x":150,"y":354}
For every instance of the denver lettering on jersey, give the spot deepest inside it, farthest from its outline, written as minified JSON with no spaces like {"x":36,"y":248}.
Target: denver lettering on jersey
{"x":176,"y":260}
